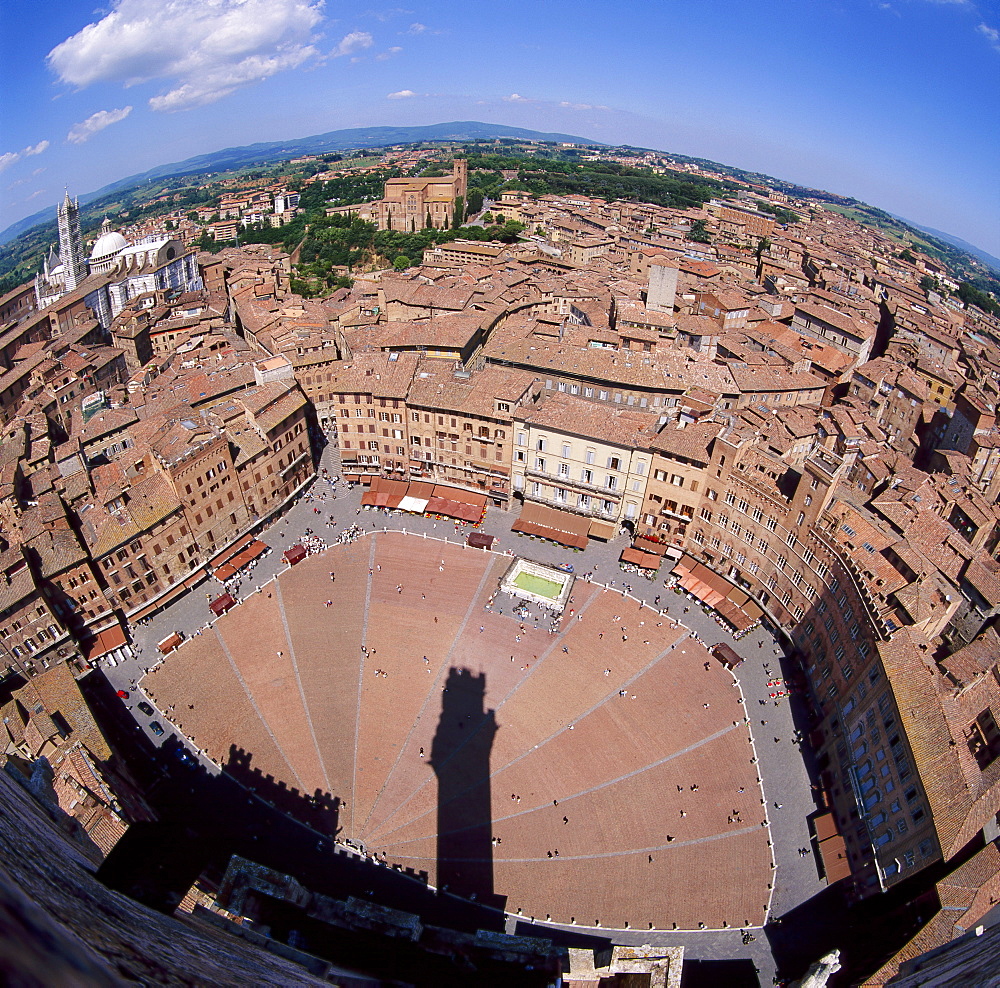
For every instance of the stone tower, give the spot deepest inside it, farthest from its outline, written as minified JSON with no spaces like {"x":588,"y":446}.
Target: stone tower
{"x":460,"y":174}
{"x":662,"y":288}
{"x":70,"y":243}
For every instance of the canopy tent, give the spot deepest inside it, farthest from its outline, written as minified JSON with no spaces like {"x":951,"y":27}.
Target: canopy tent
{"x":295,"y":554}
{"x":717,"y":592}
{"x":384,"y":493}
{"x":169,"y":643}
{"x":646,"y":560}
{"x":106,"y":641}
{"x":825,"y":826}
{"x":479,"y":540}
{"x":422,"y":497}
{"x":228,"y":553}
{"x":833,"y":853}
{"x":420,"y":489}
{"x":649,"y":545}
{"x":222,"y":604}
{"x":549,"y":523}
{"x":454,"y":509}
{"x":460,"y":494}
{"x":733,"y":615}
{"x":603,"y":530}
{"x":237,"y":562}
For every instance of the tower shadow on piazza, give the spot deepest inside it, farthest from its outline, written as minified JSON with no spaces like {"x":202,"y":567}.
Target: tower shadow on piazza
{"x":594,"y":769}
{"x":460,"y":758}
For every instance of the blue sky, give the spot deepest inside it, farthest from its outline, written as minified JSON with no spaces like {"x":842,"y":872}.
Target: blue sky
{"x":892,"y":101}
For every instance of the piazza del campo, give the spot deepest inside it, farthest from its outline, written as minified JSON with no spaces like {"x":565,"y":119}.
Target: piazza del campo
{"x":278,"y":454}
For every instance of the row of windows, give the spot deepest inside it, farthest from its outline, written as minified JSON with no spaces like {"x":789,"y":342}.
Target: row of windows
{"x":583,"y":500}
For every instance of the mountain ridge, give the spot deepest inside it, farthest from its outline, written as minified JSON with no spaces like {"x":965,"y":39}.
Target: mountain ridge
{"x":357,"y":138}
{"x":353,"y":138}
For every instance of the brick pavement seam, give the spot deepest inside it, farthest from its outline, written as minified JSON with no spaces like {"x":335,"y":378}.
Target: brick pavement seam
{"x":253,"y":703}
{"x":604,"y":785}
{"x":473,"y":602}
{"x":298,"y":680}
{"x":457,"y":751}
{"x":672,"y":846}
{"x":545,"y":741}
{"x":361,"y":674}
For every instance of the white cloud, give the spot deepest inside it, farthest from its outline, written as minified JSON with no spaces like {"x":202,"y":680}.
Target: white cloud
{"x":9,"y":158}
{"x":516,"y":98}
{"x":206,"y":48}
{"x":991,"y":34}
{"x":388,"y":53}
{"x":353,"y":42}
{"x":95,"y":123}
{"x":402,"y":94}
{"x":387,"y":15}
{"x":581,"y":106}
{"x":417,"y":28}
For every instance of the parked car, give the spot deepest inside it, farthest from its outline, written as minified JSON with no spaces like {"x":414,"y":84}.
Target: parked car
{"x":156,"y":728}
{"x":145,"y":708}
{"x":123,"y":694}
{"x":174,"y":746}
{"x":185,"y":757}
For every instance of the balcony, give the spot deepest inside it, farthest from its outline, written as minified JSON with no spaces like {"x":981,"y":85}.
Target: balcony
{"x":594,"y":512}
{"x":573,"y":485}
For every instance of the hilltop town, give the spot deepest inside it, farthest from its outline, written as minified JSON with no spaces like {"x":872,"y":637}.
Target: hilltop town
{"x":756,"y":389}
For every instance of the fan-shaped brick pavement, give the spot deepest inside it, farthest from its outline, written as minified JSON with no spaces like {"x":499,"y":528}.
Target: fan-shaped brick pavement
{"x":620,"y":787}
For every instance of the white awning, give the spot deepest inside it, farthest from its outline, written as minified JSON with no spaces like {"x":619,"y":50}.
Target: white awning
{"x":416,"y":504}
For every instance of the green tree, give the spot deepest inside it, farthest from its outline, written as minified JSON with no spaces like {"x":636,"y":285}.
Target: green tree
{"x":402,"y":262}
{"x":475,"y":202}
{"x":487,"y":218}
{"x":428,"y":223}
{"x":906,"y":255}
{"x":970,"y":295}
{"x":929,"y":284}
{"x":699,"y":233}
{"x":458,"y":218}
{"x":509,"y":232}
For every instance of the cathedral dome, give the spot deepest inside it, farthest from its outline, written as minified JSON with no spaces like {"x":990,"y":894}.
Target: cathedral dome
{"x":108,"y":245}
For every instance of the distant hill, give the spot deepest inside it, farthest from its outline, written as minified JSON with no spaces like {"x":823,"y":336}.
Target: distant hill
{"x":334,"y":140}
{"x":35,"y":232}
{"x":988,"y":259}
